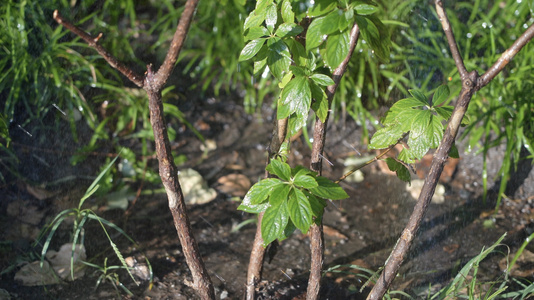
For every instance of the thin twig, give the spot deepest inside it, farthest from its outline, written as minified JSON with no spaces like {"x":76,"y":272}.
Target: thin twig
{"x":93,"y":42}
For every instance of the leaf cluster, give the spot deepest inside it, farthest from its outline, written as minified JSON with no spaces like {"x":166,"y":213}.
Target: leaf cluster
{"x":422,"y":119}
{"x":294,"y":200}
{"x":274,"y":32}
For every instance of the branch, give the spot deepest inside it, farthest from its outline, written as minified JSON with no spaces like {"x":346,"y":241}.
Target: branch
{"x":471,"y":82}
{"x":177,"y":42}
{"x":93,"y":43}
{"x":506,"y":57}
{"x":451,"y":40}
{"x":319,"y":137}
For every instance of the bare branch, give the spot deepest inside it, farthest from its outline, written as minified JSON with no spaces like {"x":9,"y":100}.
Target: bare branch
{"x":93,"y":42}
{"x":506,"y":57}
{"x":451,"y":40}
{"x":177,"y":42}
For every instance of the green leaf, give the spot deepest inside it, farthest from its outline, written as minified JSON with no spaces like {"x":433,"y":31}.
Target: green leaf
{"x":260,"y":191}
{"x":298,"y":71}
{"x":274,"y":222}
{"x":254,"y":19}
{"x":271,"y":16}
{"x":278,"y":57}
{"x":441,"y":95}
{"x":337,"y":48}
{"x":321,"y":27}
{"x":321,"y":7}
{"x":280,"y":169}
{"x":365,"y":9}
{"x":287,"y":12}
{"x":419,"y":96}
{"x":421,"y":138}
{"x":256,"y":32}
{"x":288,"y":29}
{"x":444,"y":111}
{"x":317,"y":205}
{"x":286,"y":79}
{"x":302,"y":170}
{"x":322,"y":79}
{"x":375,"y":34}
{"x":295,"y":123}
{"x":320,"y":105}
{"x":259,"y":66}
{"x":297,"y":96}
{"x":251,"y":49}
{"x":402,"y":172}
{"x":453,"y":152}
{"x":303,"y":180}
{"x":253,"y":208}
{"x":298,"y":52}
{"x":279,"y":194}
{"x":300,"y":210}
{"x":262,"y":5}
{"x":328,"y":189}
{"x":386,"y":137}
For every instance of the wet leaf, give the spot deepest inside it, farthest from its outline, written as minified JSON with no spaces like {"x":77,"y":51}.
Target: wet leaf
{"x":288,"y":29}
{"x":279,"y":194}
{"x":287,"y":12}
{"x":256,"y":33}
{"x":419,"y":96}
{"x":300,"y":210}
{"x":322,"y":79}
{"x":328,"y":189}
{"x":250,"y":49}
{"x":296,"y":96}
{"x":278,"y":57}
{"x":271,"y":16}
{"x":304,"y":181}
{"x":275,"y":220}
{"x":280,"y":169}
{"x":321,"y":27}
{"x":441,"y":95}
{"x":255,"y":18}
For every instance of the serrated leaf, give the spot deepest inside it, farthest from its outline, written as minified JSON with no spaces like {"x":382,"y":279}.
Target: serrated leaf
{"x":321,"y":7}
{"x":441,"y":95}
{"x":386,"y":137}
{"x":256,"y":32}
{"x":279,"y":193}
{"x":274,"y":222}
{"x":253,"y":208}
{"x":298,"y":71}
{"x":407,"y":104}
{"x":300,"y":210}
{"x":250,"y":49}
{"x":419,"y":140}
{"x":320,"y":105}
{"x":287,"y":12}
{"x":271,"y":16}
{"x":402,"y":172}
{"x":288,"y":29}
{"x":406,"y":156}
{"x":444,"y":111}
{"x":280,"y":169}
{"x":303,"y":180}
{"x":297,"y":96}
{"x":419,"y":96}
{"x":322,"y":79}
{"x":298,"y":52}
{"x":328,"y":189}
{"x":365,"y":9}
{"x":337,"y":48}
{"x":260,"y":191}
{"x":278,"y":57}
{"x":254,"y":19}
{"x":302,"y":170}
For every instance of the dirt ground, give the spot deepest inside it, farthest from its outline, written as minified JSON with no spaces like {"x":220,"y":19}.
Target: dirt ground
{"x":359,"y":231}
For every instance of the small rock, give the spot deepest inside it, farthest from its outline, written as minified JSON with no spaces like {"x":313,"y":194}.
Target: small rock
{"x":236,"y":185}
{"x":195,"y":189}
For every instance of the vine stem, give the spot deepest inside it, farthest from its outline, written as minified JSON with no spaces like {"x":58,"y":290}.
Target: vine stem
{"x":319,"y":137}
{"x":471,"y":83}
{"x":153,"y":83}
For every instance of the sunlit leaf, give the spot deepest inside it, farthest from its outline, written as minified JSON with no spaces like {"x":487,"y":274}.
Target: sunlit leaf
{"x":271,"y":16}
{"x":386,"y":137}
{"x":321,"y":7}
{"x":321,"y":27}
{"x":297,"y":96}
{"x":441,"y":95}
{"x":364,"y":8}
{"x":322,"y":79}
{"x":254,"y":19}
{"x":287,"y":12}
{"x":256,"y":32}
{"x":280,"y":169}
{"x":337,"y":48}
{"x":328,"y":189}
{"x":288,"y":29}
{"x":304,"y":181}
{"x":278,"y":57}
{"x":260,"y":191}
{"x":274,"y":222}
{"x":419,"y":96}
{"x":251,"y":49}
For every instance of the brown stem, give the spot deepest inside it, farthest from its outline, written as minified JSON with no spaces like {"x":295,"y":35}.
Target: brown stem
{"x":93,"y":42}
{"x":176,"y":45}
{"x":319,"y":137}
{"x":257,"y":253}
{"x":152,"y":84}
{"x":471,"y":82}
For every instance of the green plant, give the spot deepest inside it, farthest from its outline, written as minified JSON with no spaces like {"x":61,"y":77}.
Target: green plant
{"x":295,"y":199}
{"x":111,"y":277}
{"x":80,"y":217}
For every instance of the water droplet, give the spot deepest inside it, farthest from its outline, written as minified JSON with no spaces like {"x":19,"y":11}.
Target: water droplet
{"x":469,"y":35}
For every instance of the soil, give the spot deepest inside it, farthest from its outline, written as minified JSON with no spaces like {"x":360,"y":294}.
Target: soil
{"x":359,"y":231}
